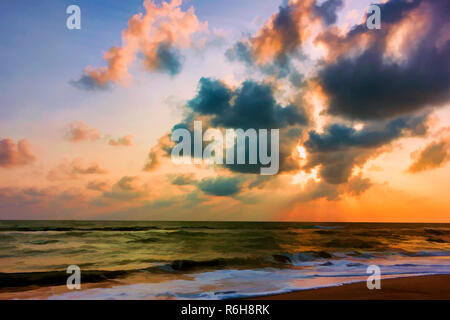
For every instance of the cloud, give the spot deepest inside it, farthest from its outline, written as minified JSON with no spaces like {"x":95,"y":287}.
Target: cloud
{"x":433,"y":156}
{"x":340,"y":148}
{"x":152,"y":161}
{"x":240,"y":52}
{"x":15,"y":154}
{"x":281,"y":38}
{"x":213,"y":97}
{"x":288,"y":29}
{"x":168,"y":60}
{"x":317,"y":190}
{"x":128,"y":183}
{"x":161,"y":149}
{"x":394,"y":71}
{"x":74,"y":169}
{"x":86,"y":82}
{"x":340,"y":137}
{"x":92,"y":168}
{"x":79,"y":131}
{"x":388,"y":80}
{"x":328,"y":9}
{"x":182,"y":179}
{"x":358,"y":185}
{"x":97,"y":185}
{"x":260,"y":182}
{"x":127,"y":188}
{"x":220,"y":186}
{"x":253,"y":106}
{"x":127,"y":141}
{"x":39,"y":203}
{"x":15,"y":198}
{"x":157,"y":35}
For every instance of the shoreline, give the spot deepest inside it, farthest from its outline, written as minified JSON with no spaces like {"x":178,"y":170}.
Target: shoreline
{"x":424,"y":287}
{"x":419,"y":287}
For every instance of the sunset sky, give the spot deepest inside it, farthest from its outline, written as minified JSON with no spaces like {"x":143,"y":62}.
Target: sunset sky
{"x":86,"y":115}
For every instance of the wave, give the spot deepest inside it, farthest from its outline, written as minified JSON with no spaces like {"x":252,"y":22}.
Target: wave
{"x":221,"y":226}
{"x":67,"y":229}
{"x":54,"y":278}
{"x":354,"y":243}
{"x":317,"y":259}
{"x":422,"y":253}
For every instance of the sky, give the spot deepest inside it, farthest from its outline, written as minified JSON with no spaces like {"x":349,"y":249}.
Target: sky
{"x":86,"y":115}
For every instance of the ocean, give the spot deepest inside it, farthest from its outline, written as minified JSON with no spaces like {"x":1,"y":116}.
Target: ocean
{"x":209,"y":260}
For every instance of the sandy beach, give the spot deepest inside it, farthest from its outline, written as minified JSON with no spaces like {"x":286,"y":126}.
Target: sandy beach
{"x":435,"y":287}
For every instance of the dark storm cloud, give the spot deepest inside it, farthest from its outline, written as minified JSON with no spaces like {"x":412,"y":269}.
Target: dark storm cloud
{"x":251,"y":106}
{"x":366,"y":88}
{"x":370,"y":86}
{"x":213,"y":97}
{"x":288,"y":140}
{"x":220,"y":186}
{"x":339,"y":137}
{"x":327,"y":10}
{"x":254,"y":106}
{"x":169,"y":59}
{"x":340,"y":148}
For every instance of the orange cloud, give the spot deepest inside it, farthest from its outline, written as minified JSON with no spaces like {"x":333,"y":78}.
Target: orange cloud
{"x":14,"y":155}
{"x":80,"y":131}
{"x":433,"y":156}
{"x":146,"y":32}
{"x":126,"y":189}
{"x":157,"y":153}
{"x":288,"y":29}
{"x":97,"y":185}
{"x":73,"y":170}
{"x":124,"y":141}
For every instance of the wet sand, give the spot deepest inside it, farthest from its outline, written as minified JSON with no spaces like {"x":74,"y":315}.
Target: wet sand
{"x":435,"y":287}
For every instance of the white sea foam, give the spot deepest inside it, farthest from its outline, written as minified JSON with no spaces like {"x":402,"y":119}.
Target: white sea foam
{"x":225,"y":284}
